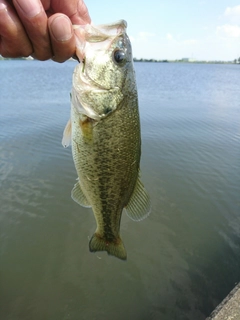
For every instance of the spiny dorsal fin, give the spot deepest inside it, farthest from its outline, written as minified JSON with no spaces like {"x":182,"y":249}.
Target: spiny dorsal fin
{"x":139,"y":205}
{"x":78,"y":196}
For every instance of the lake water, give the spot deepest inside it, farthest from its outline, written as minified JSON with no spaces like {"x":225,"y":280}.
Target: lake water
{"x":182,"y":260}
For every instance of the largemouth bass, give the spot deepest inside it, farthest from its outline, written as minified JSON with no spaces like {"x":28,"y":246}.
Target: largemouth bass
{"x":104,"y":130}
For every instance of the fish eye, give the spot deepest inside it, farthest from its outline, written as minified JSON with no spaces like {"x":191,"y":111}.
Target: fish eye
{"x":119,"y":56}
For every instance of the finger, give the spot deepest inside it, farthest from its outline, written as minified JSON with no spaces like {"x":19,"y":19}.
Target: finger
{"x":76,"y":10}
{"x":83,"y":13}
{"x":34,"y":19}
{"x":62,"y":37}
{"x":14,"y":41}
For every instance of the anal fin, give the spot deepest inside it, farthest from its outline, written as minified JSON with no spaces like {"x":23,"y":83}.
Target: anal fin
{"x":139,"y":205}
{"x":78,"y":195}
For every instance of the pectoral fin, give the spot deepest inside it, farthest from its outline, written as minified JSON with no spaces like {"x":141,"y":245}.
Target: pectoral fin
{"x":139,"y":205}
{"x":78,"y":196}
{"x":67,"y":134}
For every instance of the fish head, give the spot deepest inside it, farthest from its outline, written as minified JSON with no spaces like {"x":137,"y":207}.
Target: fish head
{"x":105,"y":74}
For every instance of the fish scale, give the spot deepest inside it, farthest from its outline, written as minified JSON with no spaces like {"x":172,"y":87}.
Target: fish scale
{"x":113,"y":169}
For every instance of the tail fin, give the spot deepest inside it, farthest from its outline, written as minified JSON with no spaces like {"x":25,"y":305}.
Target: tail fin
{"x":113,"y":248}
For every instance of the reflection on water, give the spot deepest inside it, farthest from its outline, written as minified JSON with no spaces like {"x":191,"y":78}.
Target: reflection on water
{"x":182,"y":260}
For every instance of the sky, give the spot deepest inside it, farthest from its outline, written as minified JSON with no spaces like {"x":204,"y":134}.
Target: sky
{"x":171,"y":29}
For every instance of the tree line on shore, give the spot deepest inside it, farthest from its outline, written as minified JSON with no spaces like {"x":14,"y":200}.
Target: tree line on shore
{"x":186,"y":60}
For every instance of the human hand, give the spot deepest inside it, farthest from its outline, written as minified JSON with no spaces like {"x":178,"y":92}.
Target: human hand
{"x":42,"y":29}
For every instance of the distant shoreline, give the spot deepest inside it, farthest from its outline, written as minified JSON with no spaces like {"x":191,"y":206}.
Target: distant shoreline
{"x":185,"y":60}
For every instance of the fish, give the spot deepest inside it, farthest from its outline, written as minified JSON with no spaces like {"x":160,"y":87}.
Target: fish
{"x":104,"y":132}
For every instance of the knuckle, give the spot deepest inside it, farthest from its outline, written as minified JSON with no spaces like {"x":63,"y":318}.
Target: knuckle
{"x":7,"y":52}
{"x":41,"y":56}
{"x":42,"y":50}
{"x":27,"y":51}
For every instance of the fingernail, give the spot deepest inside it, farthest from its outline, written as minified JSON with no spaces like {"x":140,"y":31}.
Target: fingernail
{"x":61,"y":28}
{"x":30,"y":7}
